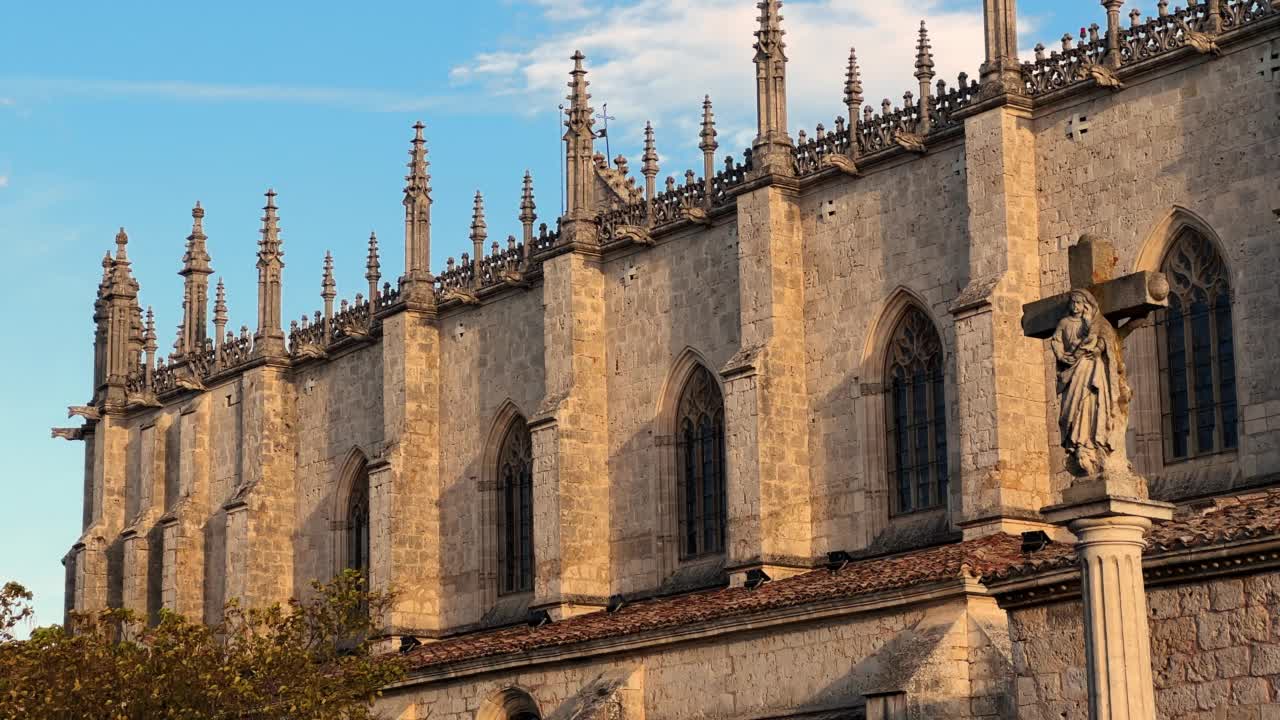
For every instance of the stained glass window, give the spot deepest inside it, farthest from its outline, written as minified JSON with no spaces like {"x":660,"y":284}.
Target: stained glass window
{"x":700,"y":457}
{"x":515,"y":510}
{"x":1197,"y":356}
{"x":917,"y":415}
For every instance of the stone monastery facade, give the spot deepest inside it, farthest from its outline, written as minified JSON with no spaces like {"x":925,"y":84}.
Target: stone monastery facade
{"x":767,"y":440}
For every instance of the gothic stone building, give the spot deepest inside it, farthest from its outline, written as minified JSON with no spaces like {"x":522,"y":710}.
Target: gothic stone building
{"x":766,"y":440}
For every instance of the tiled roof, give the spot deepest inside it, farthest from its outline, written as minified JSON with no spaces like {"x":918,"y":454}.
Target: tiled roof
{"x":992,"y":558}
{"x":1211,"y":522}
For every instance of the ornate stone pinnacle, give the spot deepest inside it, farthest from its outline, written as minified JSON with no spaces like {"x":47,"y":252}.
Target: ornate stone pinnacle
{"x":769,"y":43}
{"x":527,"y":206}
{"x":328,"y":288}
{"x":418,"y":181}
{"x":269,"y":245}
{"x":579,"y":112}
{"x":196,"y":259}
{"x":122,"y":242}
{"x":708,"y":133}
{"x":649,"y":167}
{"x":924,"y":56}
{"x":149,"y":332}
{"x":372,"y":266}
{"x":220,"y":304}
{"x":853,"y":86}
{"x":479,"y":229}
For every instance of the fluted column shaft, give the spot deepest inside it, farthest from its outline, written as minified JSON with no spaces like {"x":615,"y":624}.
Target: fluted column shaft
{"x":1117,"y":637}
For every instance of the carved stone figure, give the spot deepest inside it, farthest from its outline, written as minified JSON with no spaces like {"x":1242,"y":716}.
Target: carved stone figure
{"x":1093,"y":394}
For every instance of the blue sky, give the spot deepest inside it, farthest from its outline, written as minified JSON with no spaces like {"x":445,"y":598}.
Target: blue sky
{"x":126,"y":114}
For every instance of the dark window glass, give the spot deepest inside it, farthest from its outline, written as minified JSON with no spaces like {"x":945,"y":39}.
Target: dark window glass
{"x":917,"y":412}
{"x":515,"y":510}
{"x":358,"y":524}
{"x":700,"y":458}
{"x":1197,"y":357}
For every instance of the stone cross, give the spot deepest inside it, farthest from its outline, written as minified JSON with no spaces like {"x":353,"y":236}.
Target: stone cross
{"x":1107,"y":506}
{"x":1091,"y":263}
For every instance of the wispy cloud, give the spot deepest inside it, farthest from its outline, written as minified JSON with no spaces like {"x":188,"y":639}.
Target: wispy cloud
{"x":654,"y":59}
{"x":4,"y":181}
{"x":371,"y":100}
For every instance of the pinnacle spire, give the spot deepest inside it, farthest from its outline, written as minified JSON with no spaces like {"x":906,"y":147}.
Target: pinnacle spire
{"x":418,"y":181}
{"x":769,"y":43}
{"x":269,"y":339}
{"x":579,"y":140}
{"x":853,"y":87}
{"x":373,"y":268}
{"x":270,"y":243}
{"x":149,"y":332}
{"x":924,"y":73}
{"x":479,"y":229}
{"x":196,"y":259}
{"x":328,"y":288}
{"x":417,"y":223}
{"x":528,"y":209}
{"x":924,"y":55}
{"x":772,"y":143}
{"x":708,"y":134}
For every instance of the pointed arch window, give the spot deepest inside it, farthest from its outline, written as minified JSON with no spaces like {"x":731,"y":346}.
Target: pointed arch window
{"x":700,"y":462}
{"x":916,"y":415}
{"x":1197,"y":355}
{"x":358,"y":523}
{"x":515,"y":509}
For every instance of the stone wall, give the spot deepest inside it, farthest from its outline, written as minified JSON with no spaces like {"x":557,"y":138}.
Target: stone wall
{"x":938,"y":653}
{"x":1215,"y":648}
{"x":872,"y":246}
{"x":1191,"y":145}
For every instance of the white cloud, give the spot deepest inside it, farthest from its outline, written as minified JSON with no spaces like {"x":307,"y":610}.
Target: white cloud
{"x":4,"y":181}
{"x":654,"y":60}
{"x":565,"y":9}
{"x":352,"y":98}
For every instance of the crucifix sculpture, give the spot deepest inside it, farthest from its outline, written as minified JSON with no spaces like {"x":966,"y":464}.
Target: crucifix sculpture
{"x":1106,"y":507}
{"x":1086,"y":328}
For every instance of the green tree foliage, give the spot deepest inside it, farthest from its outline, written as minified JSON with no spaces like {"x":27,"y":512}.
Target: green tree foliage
{"x":310,"y":659}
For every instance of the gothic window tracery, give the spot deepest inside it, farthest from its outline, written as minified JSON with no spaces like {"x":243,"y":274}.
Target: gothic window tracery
{"x":700,"y":461}
{"x":916,"y":409}
{"x":1197,"y":355}
{"x":515,"y":510}
{"x":358,"y":524}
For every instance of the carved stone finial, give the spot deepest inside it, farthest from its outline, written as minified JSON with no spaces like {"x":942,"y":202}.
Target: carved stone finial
{"x":479,"y":232}
{"x":417,"y":224}
{"x":649,"y":162}
{"x":925,"y":75}
{"x":372,"y":267}
{"x":924,"y":54}
{"x":328,"y":288}
{"x":708,"y":135}
{"x":219,"y":314}
{"x":270,"y":335}
{"x":771,"y":148}
{"x":853,"y":88}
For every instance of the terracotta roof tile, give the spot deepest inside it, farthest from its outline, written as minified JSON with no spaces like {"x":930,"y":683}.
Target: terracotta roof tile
{"x":992,"y":558}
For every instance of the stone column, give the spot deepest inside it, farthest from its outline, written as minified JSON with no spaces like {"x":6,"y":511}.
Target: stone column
{"x":404,"y":480}
{"x":570,"y":443}
{"x":1004,"y":453}
{"x":1117,"y":640}
{"x":769,"y":523}
{"x":96,"y":558}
